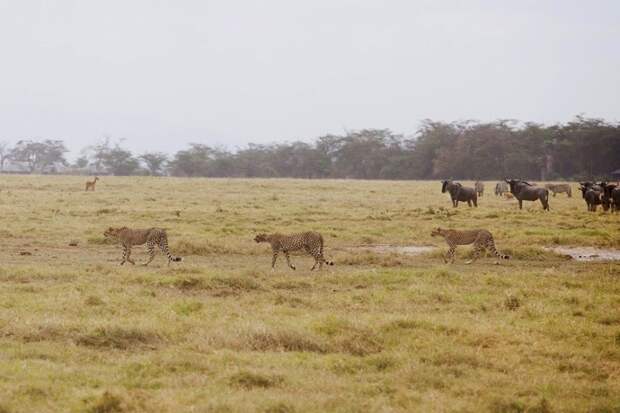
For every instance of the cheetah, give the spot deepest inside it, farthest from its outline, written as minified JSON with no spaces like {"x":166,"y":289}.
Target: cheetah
{"x":151,"y":237}
{"x":311,"y":242}
{"x":481,"y":238}
{"x":91,"y":184}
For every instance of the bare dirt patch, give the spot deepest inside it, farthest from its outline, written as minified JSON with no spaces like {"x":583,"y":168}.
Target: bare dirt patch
{"x":587,"y":253}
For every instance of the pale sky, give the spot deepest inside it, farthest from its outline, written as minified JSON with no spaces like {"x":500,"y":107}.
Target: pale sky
{"x":161,"y":74}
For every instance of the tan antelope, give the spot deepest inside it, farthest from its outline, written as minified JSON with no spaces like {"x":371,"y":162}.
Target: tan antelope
{"x":91,"y":184}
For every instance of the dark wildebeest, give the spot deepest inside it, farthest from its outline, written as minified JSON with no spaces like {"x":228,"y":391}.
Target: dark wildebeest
{"x":593,"y":198}
{"x":500,"y":188}
{"x":459,"y":193}
{"x":525,"y":191}
{"x":612,"y":194}
{"x":610,"y":197}
{"x":592,"y":185}
{"x":479,"y":187}
{"x":560,"y":188}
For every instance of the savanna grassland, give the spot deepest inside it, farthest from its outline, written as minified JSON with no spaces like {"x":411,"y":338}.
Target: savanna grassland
{"x":220,"y":332}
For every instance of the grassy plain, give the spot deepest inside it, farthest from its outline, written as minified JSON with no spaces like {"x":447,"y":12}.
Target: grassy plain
{"x":220,"y":332}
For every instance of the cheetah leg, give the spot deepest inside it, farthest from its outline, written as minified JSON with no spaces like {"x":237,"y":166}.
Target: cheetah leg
{"x":288,"y":260}
{"x":128,"y":258}
{"x":316,"y":257}
{"x":450,"y":255}
{"x":477,"y":249}
{"x":150,"y":249}
{"x":273,"y":260}
{"x":125,"y":253}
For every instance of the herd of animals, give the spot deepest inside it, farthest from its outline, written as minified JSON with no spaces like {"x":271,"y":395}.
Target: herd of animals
{"x":602,"y":193}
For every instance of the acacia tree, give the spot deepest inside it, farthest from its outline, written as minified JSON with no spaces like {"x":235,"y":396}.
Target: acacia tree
{"x":39,"y":155}
{"x":5,"y":153}
{"x":120,"y":161}
{"x":154,"y":162}
{"x":193,"y":161}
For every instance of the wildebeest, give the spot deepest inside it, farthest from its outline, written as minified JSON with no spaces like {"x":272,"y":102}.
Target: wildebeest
{"x":459,"y":193}
{"x":592,"y":185}
{"x":593,"y":198}
{"x":479,"y":187}
{"x":611,"y":196}
{"x":560,"y":188}
{"x":525,"y":191}
{"x":500,"y":188}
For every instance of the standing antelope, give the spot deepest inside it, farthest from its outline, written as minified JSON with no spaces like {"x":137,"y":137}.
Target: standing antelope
{"x":91,"y":184}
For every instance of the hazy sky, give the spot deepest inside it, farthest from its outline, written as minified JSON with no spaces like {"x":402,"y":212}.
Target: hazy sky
{"x":164,"y":73}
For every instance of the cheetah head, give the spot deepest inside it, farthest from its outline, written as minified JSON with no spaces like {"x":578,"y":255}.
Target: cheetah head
{"x":112,"y":232}
{"x":261,"y":238}
{"x":437,"y":231}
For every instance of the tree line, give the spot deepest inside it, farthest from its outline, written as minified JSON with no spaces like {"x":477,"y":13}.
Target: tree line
{"x":584,"y":148}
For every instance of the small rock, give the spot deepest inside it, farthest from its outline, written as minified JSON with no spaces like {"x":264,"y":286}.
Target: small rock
{"x":25,"y":253}
{"x":73,"y":243}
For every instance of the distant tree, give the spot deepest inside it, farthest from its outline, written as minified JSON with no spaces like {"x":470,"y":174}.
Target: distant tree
{"x":119,"y":161}
{"x":154,"y":162}
{"x":193,"y":161}
{"x":583,"y":147}
{"x":5,"y":153}
{"x":39,"y":155}
{"x":81,"y":162}
{"x":100,"y":152}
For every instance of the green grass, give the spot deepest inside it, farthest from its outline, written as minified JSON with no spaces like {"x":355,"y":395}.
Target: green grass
{"x":220,"y":332}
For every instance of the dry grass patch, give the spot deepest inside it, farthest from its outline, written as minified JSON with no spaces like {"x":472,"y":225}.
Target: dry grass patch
{"x":106,"y":403}
{"x":200,"y":248}
{"x":119,"y":338}
{"x":370,"y":258}
{"x":250,"y":380}
{"x":93,"y":300}
{"x":284,"y":341}
{"x":511,"y":302}
{"x":190,"y":283}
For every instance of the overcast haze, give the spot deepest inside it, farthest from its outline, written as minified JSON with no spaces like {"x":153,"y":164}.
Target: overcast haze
{"x":164,"y":73}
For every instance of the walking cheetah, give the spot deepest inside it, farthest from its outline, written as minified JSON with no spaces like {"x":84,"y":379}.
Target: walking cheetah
{"x":481,"y":238}
{"x":152,"y":237}
{"x":311,"y":242}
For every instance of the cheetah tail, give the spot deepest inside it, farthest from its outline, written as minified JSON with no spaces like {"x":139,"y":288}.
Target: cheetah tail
{"x":494,"y":251}
{"x":170,"y":256}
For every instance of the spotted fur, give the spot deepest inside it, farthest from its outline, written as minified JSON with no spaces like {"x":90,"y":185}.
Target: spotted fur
{"x":310,"y":242}
{"x":481,"y":238}
{"x":152,"y":237}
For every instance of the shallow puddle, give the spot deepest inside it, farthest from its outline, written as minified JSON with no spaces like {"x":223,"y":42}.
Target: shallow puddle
{"x":397,"y":249}
{"x":587,"y":253}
